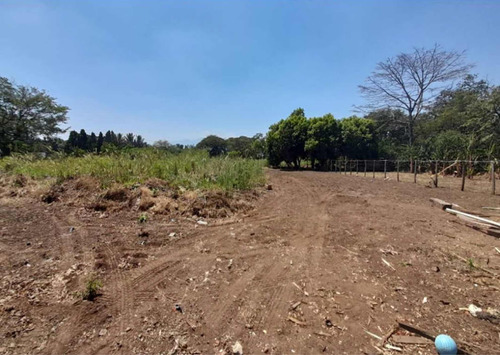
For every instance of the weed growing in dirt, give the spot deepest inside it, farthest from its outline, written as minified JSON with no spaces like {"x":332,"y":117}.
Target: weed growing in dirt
{"x":471,"y":264}
{"x":192,"y":169}
{"x":143,"y":218}
{"x":92,"y":287}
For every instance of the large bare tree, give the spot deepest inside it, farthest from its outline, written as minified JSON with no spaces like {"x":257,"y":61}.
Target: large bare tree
{"x":410,"y":82}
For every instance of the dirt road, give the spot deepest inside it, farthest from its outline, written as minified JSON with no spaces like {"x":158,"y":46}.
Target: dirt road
{"x":302,"y":273}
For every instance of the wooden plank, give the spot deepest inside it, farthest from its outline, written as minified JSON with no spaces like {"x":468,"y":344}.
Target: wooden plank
{"x":471,"y":216}
{"x":443,"y":204}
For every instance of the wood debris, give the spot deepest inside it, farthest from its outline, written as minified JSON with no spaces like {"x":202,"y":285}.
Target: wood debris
{"x":296,"y":321}
{"x":388,"y":264}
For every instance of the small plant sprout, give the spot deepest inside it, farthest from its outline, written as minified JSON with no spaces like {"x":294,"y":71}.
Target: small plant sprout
{"x":471,"y":263}
{"x":92,"y":287}
{"x":143,"y":218}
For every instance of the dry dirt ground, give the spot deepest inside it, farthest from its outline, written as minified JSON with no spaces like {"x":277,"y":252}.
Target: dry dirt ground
{"x":316,"y":238}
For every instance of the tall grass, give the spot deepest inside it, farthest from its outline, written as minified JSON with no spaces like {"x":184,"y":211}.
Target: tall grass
{"x":190,"y":169}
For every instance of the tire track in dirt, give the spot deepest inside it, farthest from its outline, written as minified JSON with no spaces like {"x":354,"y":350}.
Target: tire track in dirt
{"x":68,"y":246}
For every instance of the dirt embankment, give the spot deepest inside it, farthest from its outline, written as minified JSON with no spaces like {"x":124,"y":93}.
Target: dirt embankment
{"x":306,"y":271}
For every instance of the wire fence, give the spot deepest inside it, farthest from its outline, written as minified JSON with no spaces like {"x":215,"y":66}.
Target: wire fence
{"x":478,"y":176}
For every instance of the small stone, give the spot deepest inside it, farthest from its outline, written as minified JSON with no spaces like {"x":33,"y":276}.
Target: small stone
{"x":203,"y":223}
{"x":103,"y":332}
{"x":269,"y":187}
{"x":237,"y":348}
{"x":173,"y":234}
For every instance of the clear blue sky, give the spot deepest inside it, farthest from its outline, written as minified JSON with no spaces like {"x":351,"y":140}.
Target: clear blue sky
{"x":179,"y":70}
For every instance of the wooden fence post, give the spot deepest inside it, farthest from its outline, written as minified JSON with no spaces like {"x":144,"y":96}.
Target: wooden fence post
{"x":397,"y":168}
{"x":365,"y":168}
{"x":345,"y":167}
{"x":385,"y":169}
{"x":492,"y":177}
{"x":373,"y":168}
{"x":464,"y":169}
{"x":415,"y":162}
{"x":436,"y":166}
{"x":350,"y":167}
{"x":357,"y":167}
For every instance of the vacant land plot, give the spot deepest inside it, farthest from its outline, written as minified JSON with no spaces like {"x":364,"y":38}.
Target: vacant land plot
{"x":303,"y":272}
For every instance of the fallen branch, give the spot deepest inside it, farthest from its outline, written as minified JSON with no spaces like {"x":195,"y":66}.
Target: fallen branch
{"x":296,"y":321}
{"x":393,"y":330}
{"x":350,"y":251}
{"x":406,"y":339}
{"x":448,"y":167}
{"x":431,"y":336}
{"x":391,"y":347}
{"x":373,"y":335}
{"x":388,"y":264}
{"x":323,"y":334}
{"x":304,"y":292}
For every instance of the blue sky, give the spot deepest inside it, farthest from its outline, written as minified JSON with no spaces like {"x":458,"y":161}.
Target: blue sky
{"x":179,"y":70}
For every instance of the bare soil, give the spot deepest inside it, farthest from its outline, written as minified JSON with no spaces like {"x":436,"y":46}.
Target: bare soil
{"x":302,"y":272}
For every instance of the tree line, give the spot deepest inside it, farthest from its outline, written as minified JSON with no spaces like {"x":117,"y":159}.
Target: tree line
{"x":321,"y":140}
{"x":97,"y":143}
{"x":423,"y":104}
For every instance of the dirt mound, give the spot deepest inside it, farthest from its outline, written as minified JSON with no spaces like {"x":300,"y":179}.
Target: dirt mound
{"x":53,"y":194}
{"x":218,"y":204}
{"x":117,"y":194}
{"x":155,"y":196}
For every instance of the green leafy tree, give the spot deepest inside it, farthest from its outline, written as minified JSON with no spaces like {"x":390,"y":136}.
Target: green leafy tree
{"x":27,"y":115}
{"x":391,"y":136}
{"x":242,"y":145}
{"x":72,"y":142}
{"x":100,"y":142}
{"x":92,"y":143}
{"x":83,"y":143}
{"x":450,"y":145}
{"x":324,"y":140}
{"x":358,"y":138}
{"x":273,"y":145}
{"x":140,"y":142}
{"x":287,"y":139}
{"x":258,"y":148}
{"x":214,"y":145}
{"x":471,"y":109}
{"x":129,"y":140}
